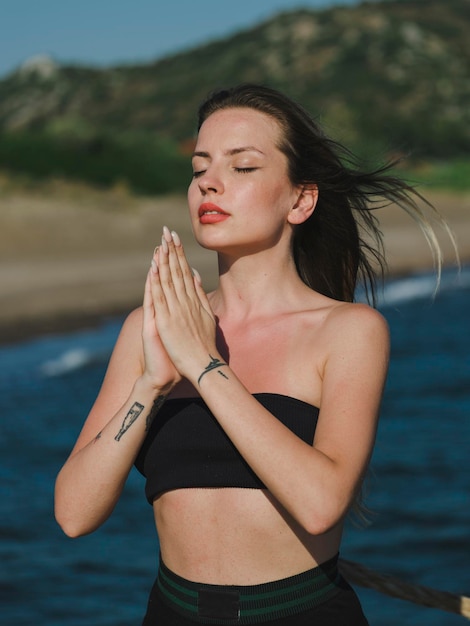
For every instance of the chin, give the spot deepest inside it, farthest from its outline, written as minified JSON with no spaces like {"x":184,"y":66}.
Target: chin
{"x":209,"y":239}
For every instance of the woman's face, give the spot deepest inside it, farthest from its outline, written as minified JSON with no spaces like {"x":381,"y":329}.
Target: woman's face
{"x":240,"y":195}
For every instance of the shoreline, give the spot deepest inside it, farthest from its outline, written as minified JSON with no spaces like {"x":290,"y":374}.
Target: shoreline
{"x":71,"y":257}
{"x":26,"y":328}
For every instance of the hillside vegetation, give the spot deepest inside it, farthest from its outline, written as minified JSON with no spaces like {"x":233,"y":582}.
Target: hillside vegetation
{"x":387,"y":78}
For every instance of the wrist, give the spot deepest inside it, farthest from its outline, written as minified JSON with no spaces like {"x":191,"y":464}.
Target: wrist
{"x":211,"y":364}
{"x":147,"y":386}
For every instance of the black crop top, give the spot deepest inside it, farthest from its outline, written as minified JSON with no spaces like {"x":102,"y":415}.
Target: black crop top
{"x":186,"y":446}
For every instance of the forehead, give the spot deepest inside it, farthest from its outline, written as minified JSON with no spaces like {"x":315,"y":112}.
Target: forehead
{"x":241,"y":124}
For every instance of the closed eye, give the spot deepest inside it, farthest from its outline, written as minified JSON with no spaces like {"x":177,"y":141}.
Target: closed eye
{"x":240,"y":170}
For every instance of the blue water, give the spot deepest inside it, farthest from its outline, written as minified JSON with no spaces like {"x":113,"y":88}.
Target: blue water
{"x":419,"y":488}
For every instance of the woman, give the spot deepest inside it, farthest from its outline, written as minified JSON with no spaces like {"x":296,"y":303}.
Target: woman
{"x":252,"y":410}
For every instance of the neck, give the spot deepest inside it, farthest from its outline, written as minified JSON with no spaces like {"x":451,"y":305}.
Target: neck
{"x":256,"y":285}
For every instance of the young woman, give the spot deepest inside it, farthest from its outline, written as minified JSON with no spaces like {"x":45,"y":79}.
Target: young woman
{"x":252,"y":410}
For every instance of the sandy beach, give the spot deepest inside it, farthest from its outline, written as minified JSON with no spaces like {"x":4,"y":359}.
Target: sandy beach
{"x":70,"y":255}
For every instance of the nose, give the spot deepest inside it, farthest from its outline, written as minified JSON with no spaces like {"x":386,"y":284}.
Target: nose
{"x":210,"y":182}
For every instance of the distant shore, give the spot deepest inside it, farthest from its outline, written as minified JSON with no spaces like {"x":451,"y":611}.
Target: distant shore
{"x":72,"y":256}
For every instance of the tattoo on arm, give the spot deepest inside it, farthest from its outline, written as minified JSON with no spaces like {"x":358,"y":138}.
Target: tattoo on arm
{"x":98,"y":436}
{"x":134,"y":412}
{"x":213,"y":365}
{"x":159,"y":400}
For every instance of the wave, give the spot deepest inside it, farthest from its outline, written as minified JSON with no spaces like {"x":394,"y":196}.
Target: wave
{"x":420,"y":286}
{"x":71,"y":361}
{"x":67,"y":353}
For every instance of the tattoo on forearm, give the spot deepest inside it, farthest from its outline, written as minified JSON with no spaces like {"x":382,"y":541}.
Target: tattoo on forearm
{"x":213,"y":365}
{"x":98,"y":436}
{"x":134,"y":412}
{"x":159,"y":400}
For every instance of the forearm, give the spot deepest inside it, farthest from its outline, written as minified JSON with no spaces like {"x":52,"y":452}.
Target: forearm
{"x":91,"y":481}
{"x":302,"y":478}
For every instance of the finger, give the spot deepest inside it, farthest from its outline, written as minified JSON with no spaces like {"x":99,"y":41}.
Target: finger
{"x":176,"y":273}
{"x":157,"y":293}
{"x":165,"y":278}
{"x":185,"y":269}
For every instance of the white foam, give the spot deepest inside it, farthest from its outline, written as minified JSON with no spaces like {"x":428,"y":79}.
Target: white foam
{"x":420,"y":286}
{"x":69,"y":361}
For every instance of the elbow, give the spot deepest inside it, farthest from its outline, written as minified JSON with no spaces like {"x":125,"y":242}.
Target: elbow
{"x":76,"y":516}
{"x":76,"y":520}
{"x":320,"y":519}
{"x":68,"y":519}
{"x":71,"y":531}
{"x":75,"y":528}
{"x":71,"y":525}
{"x":68,"y":528}
{"x":319,"y":525}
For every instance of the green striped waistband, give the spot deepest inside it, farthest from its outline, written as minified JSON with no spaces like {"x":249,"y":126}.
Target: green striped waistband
{"x":233,"y":604}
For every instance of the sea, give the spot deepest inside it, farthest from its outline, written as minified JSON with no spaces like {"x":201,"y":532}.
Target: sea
{"x":418,"y":488}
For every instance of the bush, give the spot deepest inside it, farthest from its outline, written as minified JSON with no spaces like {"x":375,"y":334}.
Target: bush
{"x":145,"y":164}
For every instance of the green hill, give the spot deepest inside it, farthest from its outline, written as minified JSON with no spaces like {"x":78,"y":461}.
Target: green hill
{"x":390,"y":76}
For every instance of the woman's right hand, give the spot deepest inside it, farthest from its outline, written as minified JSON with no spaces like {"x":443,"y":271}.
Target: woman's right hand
{"x":159,"y":370}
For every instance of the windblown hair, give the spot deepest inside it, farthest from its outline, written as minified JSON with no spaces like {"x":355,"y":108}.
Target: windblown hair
{"x":340,"y":245}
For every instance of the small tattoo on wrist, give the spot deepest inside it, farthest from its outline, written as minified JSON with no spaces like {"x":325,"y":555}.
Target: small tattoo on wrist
{"x":213,"y":365}
{"x":134,"y":412}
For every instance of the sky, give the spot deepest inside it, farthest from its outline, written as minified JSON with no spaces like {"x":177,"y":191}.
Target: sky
{"x":107,"y":32}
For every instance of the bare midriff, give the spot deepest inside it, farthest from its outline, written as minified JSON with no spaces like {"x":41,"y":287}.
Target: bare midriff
{"x":235,"y":536}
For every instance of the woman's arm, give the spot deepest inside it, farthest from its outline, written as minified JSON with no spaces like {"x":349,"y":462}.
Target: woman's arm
{"x":138,"y":378}
{"x":315,"y":484}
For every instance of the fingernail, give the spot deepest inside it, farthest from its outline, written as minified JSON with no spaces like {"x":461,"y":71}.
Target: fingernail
{"x":166,"y":234}
{"x":197,"y":276}
{"x":154,"y":267}
{"x":176,"y":238}
{"x":164,"y":245}
{"x":155,"y":251}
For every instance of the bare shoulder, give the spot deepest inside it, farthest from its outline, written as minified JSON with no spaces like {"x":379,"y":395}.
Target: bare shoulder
{"x":352,"y":333}
{"x":133,"y":321}
{"x":347,"y":318}
{"x":130,"y":337}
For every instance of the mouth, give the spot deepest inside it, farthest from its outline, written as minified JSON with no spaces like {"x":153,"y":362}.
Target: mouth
{"x":207,"y":208}
{"x":211,"y":214}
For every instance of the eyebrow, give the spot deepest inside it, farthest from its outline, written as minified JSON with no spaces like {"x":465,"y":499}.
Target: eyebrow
{"x":230,"y":152}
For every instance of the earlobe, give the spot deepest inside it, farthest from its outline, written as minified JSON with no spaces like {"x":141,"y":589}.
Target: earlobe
{"x":304,"y":206}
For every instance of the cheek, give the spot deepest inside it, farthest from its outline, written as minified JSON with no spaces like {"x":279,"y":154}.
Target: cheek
{"x":193,"y":208}
{"x":192,"y":195}
{"x":191,"y":188}
{"x":280,"y":196}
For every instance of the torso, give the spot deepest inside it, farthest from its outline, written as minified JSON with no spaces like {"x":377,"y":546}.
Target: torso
{"x":243,"y":536}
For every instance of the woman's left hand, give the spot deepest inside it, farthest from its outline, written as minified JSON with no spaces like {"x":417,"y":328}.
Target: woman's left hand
{"x":183,"y":316}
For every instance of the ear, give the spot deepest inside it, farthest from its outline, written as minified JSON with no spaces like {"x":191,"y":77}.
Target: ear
{"x":304,"y":206}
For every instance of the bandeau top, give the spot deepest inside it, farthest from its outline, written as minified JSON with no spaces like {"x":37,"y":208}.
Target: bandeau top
{"x":187,"y":447}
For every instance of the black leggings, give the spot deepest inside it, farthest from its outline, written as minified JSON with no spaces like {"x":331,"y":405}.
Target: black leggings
{"x":319,"y":597}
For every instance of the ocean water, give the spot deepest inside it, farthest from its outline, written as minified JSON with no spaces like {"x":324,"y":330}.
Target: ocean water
{"x":418,"y":489}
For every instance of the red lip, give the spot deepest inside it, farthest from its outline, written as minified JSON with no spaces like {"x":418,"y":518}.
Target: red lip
{"x":209,"y":206}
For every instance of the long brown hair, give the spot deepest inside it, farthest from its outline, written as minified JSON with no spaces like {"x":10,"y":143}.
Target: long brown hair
{"x":340,"y":245}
